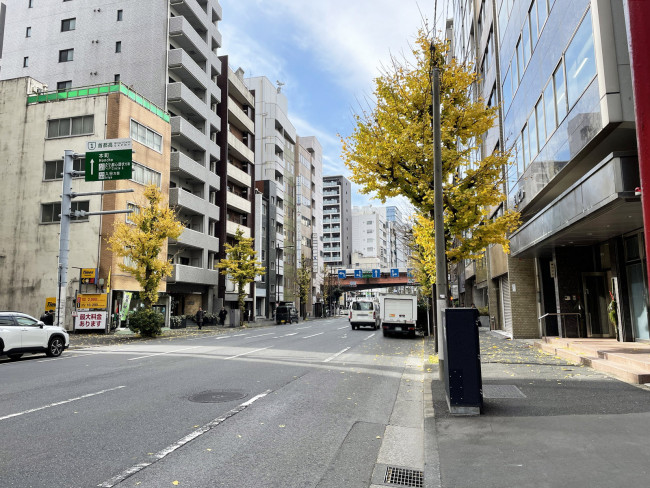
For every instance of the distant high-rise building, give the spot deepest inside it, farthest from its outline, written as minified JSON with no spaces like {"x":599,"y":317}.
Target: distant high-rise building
{"x":337,"y":221}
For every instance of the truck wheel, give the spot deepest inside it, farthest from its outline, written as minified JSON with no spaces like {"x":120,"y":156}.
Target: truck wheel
{"x":385,"y":333}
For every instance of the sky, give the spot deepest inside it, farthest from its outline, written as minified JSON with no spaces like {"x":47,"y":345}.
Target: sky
{"x":326,"y":54}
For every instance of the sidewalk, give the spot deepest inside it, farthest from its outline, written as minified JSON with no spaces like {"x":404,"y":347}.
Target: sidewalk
{"x":545,"y":423}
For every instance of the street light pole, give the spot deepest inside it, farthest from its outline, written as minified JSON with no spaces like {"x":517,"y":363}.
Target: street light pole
{"x":438,"y":217}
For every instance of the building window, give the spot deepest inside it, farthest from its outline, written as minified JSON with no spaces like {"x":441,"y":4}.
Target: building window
{"x":116,"y":78}
{"x":64,"y":85}
{"x":50,"y":212}
{"x":68,"y":24}
{"x":134,"y":210}
{"x":70,"y":126}
{"x":560,"y":93}
{"x":118,"y":47}
{"x":53,"y":170}
{"x":144,"y":135}
{"x":66,"y":55}
{"x":549,"y":109}
{"x":28,"y":32}
{"x":580,"y":61}
{"x":120,"y":15}
{"x":25,"y":61}
{"x":145,"y":176}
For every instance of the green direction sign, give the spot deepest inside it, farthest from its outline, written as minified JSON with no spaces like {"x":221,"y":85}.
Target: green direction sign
{"x":109,"y":159}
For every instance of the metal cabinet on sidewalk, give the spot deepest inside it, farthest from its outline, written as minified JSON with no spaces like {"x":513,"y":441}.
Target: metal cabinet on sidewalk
{"x":462,"y":364}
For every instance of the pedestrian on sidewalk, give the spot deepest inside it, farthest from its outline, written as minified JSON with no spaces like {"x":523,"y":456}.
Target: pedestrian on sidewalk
{"x":222,"y":316}
{"x":199,"y":317}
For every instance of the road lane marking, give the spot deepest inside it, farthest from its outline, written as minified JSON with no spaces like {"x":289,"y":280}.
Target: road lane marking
{"x":343,"y":327}
{"x":240,"y":335}
{"x":249,"y":352}
{"x":180,"y":443}
{"x":335,"y":355}
{"x":287,"y":335}
{"x":163,"y":353}
{"x":307,"y":337}
{"x":370,"y":336}
{"x":261,"y":335}
{"x":298,"y":328}
{"x":88,"y":395}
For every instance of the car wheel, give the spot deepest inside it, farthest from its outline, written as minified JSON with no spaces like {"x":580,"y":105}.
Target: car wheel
{"x":55,"y":347}
{"x":15,"y":356}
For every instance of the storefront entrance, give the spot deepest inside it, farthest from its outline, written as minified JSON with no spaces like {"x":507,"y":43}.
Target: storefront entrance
{"x":596,"y":297}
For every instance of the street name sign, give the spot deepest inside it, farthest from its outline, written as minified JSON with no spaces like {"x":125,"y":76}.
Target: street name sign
{"x":109,"y":159}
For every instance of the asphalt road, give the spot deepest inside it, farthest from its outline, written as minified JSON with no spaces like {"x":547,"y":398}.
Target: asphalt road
{"x":294,"y":405}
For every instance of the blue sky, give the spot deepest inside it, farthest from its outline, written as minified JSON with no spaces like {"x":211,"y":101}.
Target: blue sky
{"x":326,"y":53}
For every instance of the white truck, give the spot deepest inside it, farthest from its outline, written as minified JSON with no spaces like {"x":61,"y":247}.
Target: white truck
{"x":398,"y":314}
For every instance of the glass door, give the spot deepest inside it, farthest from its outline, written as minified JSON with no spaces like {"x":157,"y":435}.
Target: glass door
{"x":595,"y":292}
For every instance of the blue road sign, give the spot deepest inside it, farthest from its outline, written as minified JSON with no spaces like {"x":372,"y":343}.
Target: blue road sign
{"x":342,"y":274}
{"x":358,"y":273}
{"x":409,"y":273}
{"x":394,"y":273}
{"x":376,"y":273}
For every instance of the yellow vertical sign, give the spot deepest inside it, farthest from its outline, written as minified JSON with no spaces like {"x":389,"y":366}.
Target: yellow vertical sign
{"x":50,"y":304}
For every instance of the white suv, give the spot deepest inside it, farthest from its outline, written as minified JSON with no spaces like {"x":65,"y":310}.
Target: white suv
{"x":21,"y":333}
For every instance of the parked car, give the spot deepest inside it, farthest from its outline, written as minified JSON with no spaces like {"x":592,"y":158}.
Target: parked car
{"x":364,"y":313}
{"x":21,"y":333}
{"x":286,"y":314}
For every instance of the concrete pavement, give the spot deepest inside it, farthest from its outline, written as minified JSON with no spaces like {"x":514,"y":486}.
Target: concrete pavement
{"x":545,"y":423}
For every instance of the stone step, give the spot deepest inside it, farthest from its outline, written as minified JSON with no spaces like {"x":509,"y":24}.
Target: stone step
{"x":627,"y":358}
{"x":611,"y":363}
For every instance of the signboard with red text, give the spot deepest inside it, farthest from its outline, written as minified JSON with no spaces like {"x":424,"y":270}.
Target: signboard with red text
{"x":90,"y":321}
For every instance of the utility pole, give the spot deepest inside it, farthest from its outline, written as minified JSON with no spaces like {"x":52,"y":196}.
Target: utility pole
{"x":438,"y":217}
{"x":64,"y":236}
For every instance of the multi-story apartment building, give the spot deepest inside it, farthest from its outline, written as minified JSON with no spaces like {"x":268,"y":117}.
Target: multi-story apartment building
{"x":337,"y":222}
{"x":41,"y":125}
{"x":236,"y":196}
{"x":564,"y":82}
{"x":398,"y":238}
{"x":370,"y":237}
{"x":275,"y":160}
{"x":167,"y":51}
{"x":309,"y":213}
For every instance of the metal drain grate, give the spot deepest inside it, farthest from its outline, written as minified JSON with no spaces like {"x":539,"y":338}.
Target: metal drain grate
{"x":404,"y":477}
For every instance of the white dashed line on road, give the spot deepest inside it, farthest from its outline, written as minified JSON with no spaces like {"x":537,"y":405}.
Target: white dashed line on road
{"x":370,"y":336}
{"x":163,"y":353}
{"x":335,"y":355}
{"x":307,"y":337}
{"x":188,"y":438}
{"x":249,"y":352}
{"x":60,"y":403}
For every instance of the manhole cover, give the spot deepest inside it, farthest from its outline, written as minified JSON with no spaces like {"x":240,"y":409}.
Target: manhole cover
{"x":217,"y":396}
{"x":502,"y":391}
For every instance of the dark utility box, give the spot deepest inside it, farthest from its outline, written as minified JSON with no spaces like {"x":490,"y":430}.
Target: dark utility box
{"x":462,"y":362}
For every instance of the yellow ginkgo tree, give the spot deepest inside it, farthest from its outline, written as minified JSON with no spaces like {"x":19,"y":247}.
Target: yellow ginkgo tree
{"x":390,"y":152}
{"x":241,"y":266}
{"x":142,"y":243}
